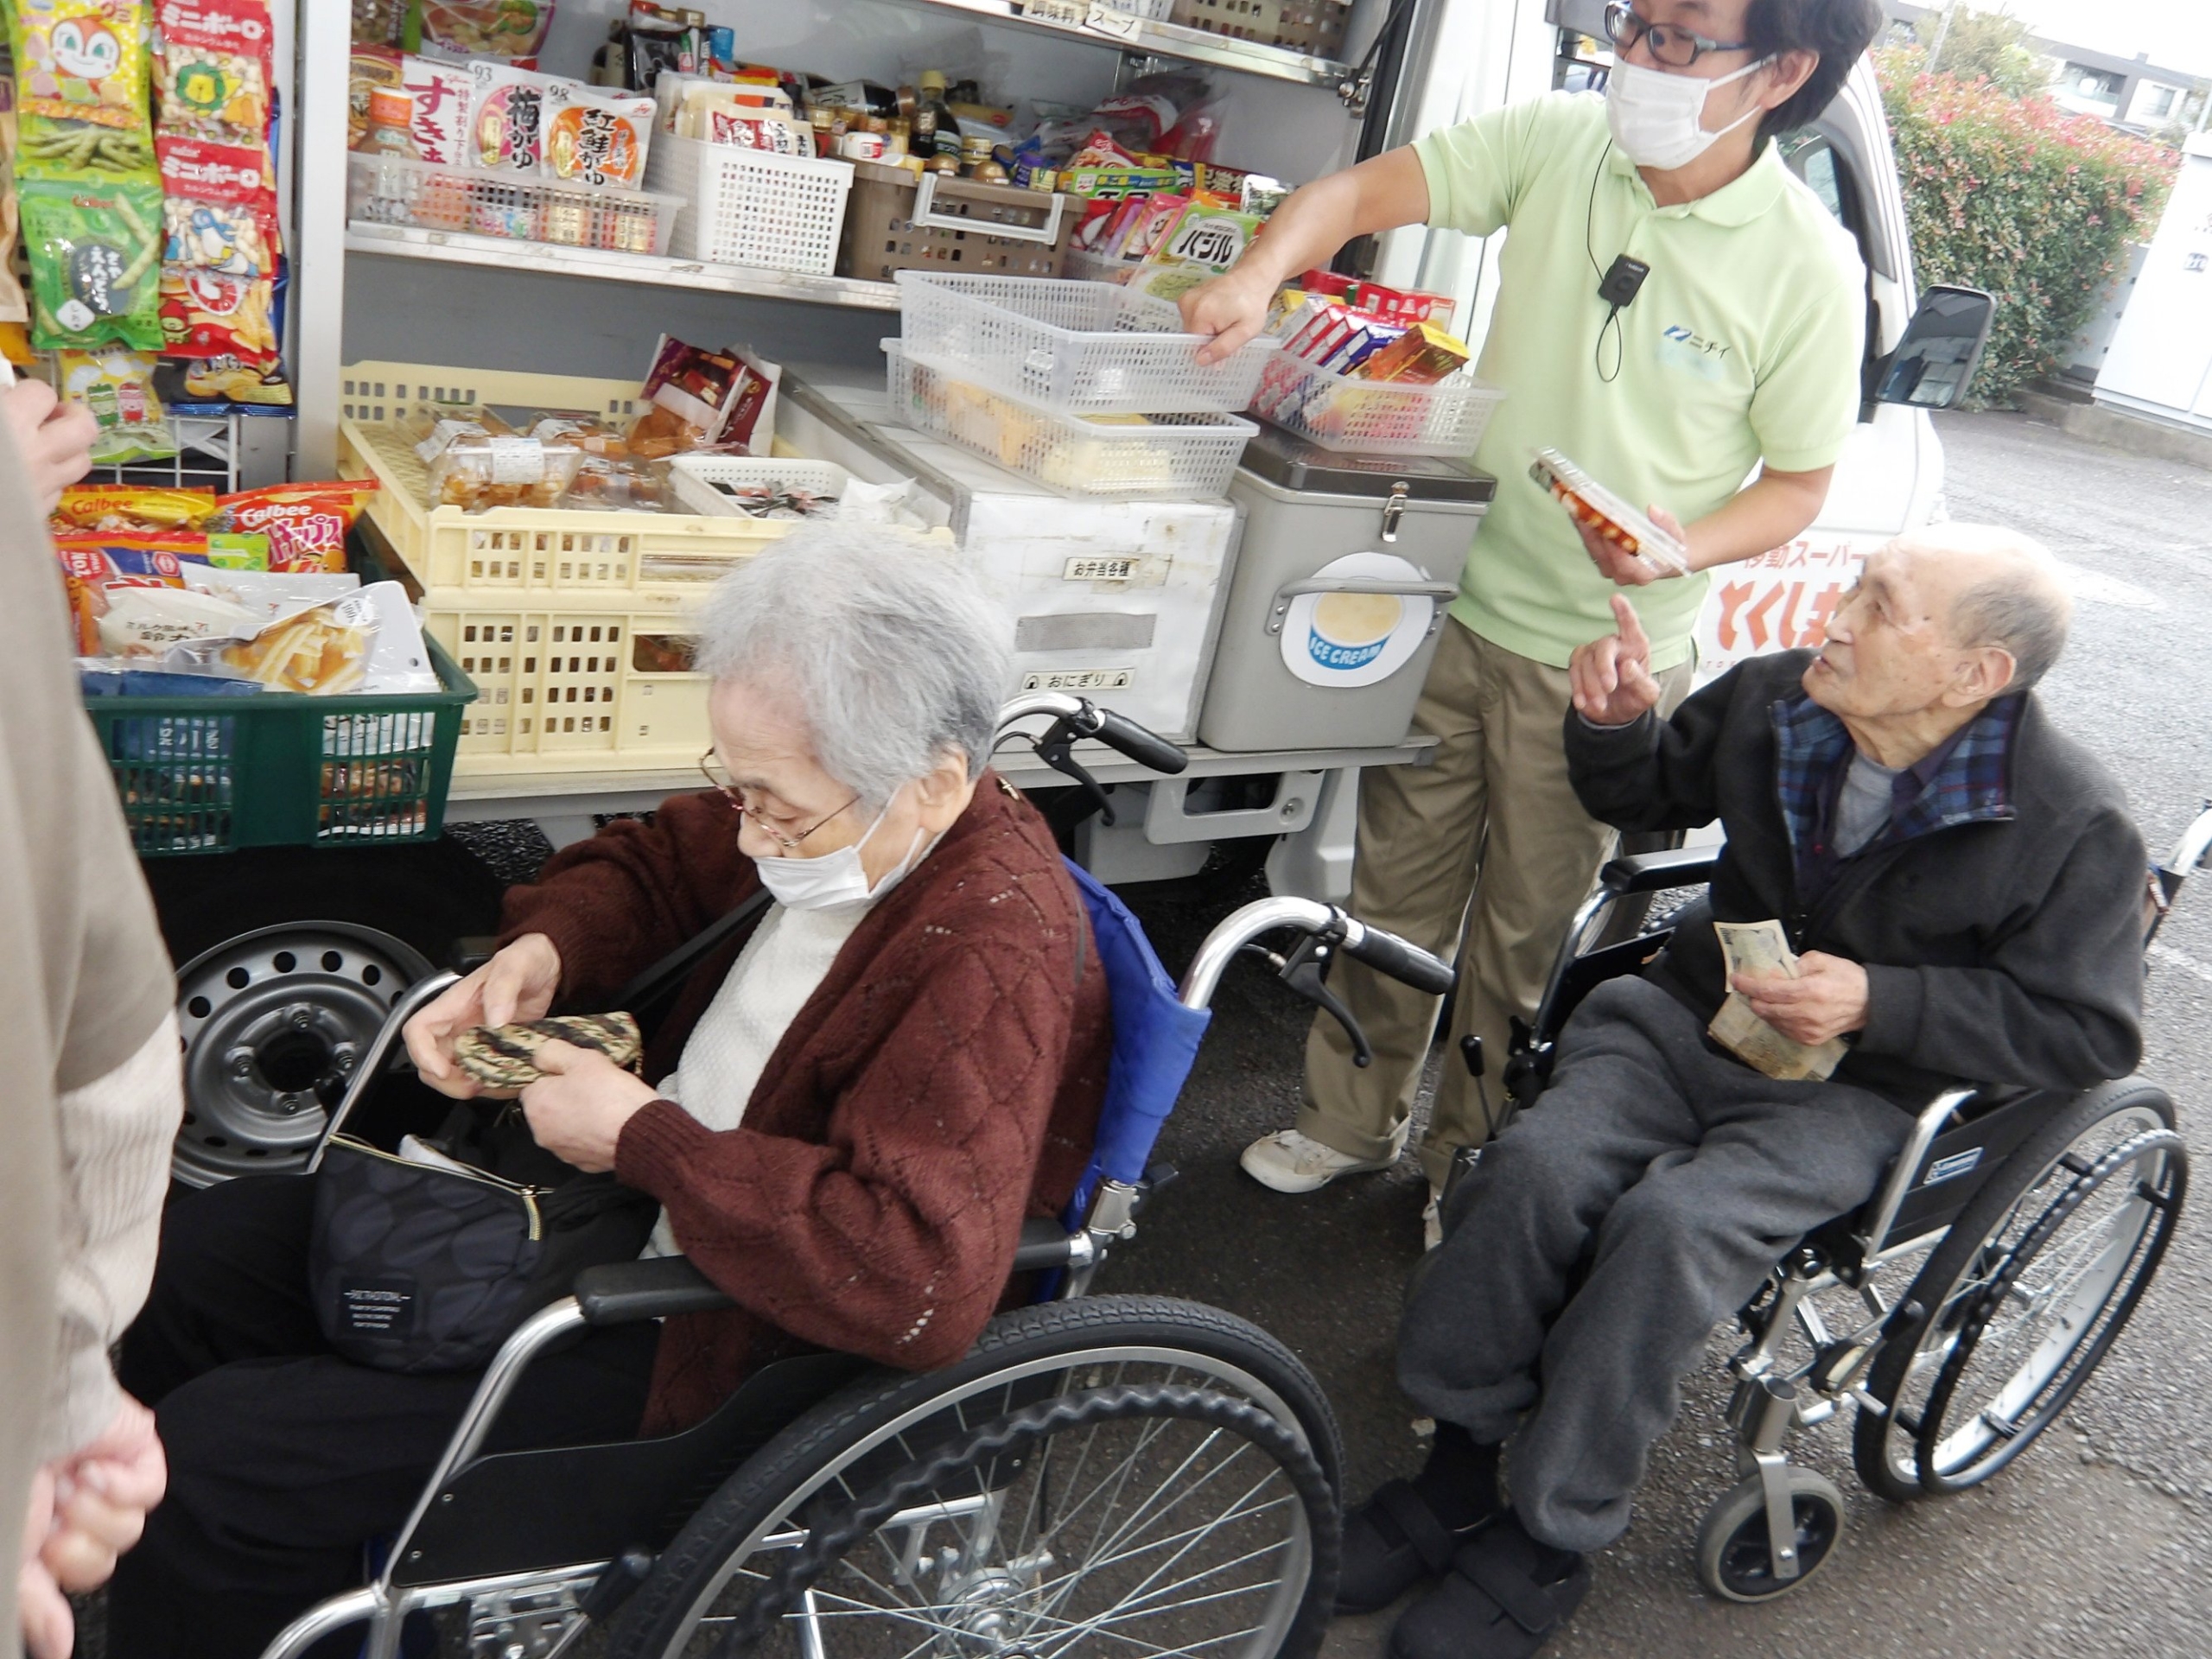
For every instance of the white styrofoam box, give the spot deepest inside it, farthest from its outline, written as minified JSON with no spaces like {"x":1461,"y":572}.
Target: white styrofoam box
{"x":695,"y":479}
{"x":749,"y":207}
{"x":1081,"y":348}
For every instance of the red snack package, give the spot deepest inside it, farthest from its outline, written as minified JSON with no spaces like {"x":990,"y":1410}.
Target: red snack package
{"x":222,"y":175}
{"x":306,"y":523}
{"x":209,"y":314}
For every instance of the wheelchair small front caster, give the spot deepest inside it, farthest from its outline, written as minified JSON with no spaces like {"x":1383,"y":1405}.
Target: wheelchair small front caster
{"x":1735,"y":1556}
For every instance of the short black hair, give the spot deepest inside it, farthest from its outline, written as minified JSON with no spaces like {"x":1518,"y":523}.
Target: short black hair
{"x":1839,"y":30}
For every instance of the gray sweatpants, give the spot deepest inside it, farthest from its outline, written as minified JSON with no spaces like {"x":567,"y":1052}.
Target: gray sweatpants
{"x":1685,"y":1175}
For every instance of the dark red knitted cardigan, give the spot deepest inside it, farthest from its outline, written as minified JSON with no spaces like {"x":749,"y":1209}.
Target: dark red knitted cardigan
{"x":940,"y":1086}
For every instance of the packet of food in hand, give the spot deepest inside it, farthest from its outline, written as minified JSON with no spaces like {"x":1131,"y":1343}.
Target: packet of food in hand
{"x":1596,"y":508}
{"x":506,"y":1057}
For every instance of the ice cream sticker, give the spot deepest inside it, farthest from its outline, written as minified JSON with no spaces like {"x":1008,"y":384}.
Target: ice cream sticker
{"x":1354,"y":635}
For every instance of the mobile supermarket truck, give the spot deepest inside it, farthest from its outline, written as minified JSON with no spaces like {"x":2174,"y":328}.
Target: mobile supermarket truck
{"x":1267,"y":600}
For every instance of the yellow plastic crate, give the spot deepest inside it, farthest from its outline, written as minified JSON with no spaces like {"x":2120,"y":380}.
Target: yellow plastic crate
{"x":571,"y":687}
{"x":522,"y":555}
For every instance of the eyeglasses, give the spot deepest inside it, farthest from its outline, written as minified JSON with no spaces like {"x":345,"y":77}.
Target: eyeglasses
{"x":1671,"y":44}
{"x":711,"y":767}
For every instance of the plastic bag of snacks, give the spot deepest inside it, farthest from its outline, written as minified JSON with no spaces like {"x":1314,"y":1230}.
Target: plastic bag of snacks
{"x":220,"y":207}
{"x":95,"y":254}
{"x":132,"y":509}
{"x":83,"y":60}
{"x":13,"y":306}
{"x":117,"y":387}
{"x":306,"y":523}
{"x":215,"y":69}
{"x":204,"y":313}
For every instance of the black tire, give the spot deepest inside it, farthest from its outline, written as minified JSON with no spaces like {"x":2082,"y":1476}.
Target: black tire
{"x":1154,"y":1375}
{"x":1735,"y":1548}
{"x":287,"y":959}
{"x":2109,"y":1167}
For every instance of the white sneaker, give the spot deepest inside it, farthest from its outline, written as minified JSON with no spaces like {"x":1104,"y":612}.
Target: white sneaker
{"x":1431,"y":1219}
{"x":1291,"y":1162}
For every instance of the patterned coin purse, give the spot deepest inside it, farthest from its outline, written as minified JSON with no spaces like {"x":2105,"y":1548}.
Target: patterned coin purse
{"x":504,"y":1057}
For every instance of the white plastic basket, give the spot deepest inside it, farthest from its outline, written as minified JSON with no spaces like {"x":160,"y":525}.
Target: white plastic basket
{"x":1172,"y":457}
{"x":752,"y":207}
{"x":399,"y":190}
{"x":693,"y":479}
{"x":1083,"y":348}
{"x":1376,"y":417}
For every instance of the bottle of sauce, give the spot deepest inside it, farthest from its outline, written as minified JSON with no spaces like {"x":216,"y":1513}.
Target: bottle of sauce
{"x":944,"y":130}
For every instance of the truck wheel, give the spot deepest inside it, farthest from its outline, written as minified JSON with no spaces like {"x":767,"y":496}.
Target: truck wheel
{"x":290,"y":959}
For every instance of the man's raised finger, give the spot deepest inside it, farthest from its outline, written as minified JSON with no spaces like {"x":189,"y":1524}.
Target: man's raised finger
{"x":1631,"y":626}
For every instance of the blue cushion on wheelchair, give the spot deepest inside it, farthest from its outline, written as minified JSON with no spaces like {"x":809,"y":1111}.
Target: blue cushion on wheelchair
{"x":1155,"y":1040}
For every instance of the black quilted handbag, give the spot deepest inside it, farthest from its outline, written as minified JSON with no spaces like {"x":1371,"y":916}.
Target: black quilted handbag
{"x":417,"y":1267}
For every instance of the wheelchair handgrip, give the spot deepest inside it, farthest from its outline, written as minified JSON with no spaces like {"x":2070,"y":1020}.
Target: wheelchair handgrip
{"x":1386,"y":953}
{"x":622,"y":1293}
{"x":1145,"y":748}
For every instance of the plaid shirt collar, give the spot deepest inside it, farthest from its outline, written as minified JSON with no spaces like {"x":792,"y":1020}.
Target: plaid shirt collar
{"x":1963,"y":780}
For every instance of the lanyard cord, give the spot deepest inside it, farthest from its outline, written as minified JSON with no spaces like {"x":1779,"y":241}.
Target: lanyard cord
{"x":1612,"y":323}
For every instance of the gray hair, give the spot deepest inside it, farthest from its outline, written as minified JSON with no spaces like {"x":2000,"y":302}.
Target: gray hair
{"x":2021,"y":609}
{"x":885,"y":647}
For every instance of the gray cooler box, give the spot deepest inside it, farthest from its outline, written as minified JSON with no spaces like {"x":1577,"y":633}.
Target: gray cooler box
{"x":1348,"y":563}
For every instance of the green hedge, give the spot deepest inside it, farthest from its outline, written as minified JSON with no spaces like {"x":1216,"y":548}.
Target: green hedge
{"x":2018,"y":197}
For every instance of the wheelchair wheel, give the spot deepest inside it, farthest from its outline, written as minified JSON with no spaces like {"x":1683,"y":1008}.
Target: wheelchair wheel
{"x":1735,"y":1551}
{"x":1114,"y":1474}
{"x":2025,"y":1294}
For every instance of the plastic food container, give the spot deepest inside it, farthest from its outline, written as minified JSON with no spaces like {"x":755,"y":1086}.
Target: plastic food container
{"x":1375,"y":418}
{"x":1084,"y":348}
{"x":399,"y":190}
{"x":714,"y":483}
{"x":1171,"y":457}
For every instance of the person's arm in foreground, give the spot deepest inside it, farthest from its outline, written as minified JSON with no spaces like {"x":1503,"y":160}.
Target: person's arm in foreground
{"x":1630,"y":769}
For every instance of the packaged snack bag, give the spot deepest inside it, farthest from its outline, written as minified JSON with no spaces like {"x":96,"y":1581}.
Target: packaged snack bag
{"x":511,"y":30}
{"x":220,"y":206}
{"x":132,"y":509}
{"x":1423,"y":355}
{"x":508,"y":114}
{"x":688,"y":392}
{"x":227,"y":380}
{"x":1212,"y":237}
{"x":596,"y":138}
{"x":83,"y":60}
{"x":95,"y":252}
{"x":216,"y":68}
{"x":306,"y":523}
{"x":117,"y":387}
{"x":204,"y":313}
{"x":14,"y":306}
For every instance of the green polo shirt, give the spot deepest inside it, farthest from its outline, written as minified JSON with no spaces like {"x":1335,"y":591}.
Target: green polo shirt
{"x":1744,"y":345}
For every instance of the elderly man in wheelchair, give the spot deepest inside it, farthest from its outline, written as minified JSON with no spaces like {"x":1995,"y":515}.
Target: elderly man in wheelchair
{"x":920,"y":1088}
{"x":1952,"y":896}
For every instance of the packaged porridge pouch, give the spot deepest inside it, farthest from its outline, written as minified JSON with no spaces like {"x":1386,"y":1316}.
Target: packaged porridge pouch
{"x":508,"y":113}
{"x":597,"y":138}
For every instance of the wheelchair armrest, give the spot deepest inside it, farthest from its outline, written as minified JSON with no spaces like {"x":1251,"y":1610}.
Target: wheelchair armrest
{"x":623,"y":1293}
{"x":1681,"y":867}
{"x":1045,"y":1244}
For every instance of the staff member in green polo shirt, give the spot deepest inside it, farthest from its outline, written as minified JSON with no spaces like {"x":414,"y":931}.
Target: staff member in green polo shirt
{"x":1739,"y":348}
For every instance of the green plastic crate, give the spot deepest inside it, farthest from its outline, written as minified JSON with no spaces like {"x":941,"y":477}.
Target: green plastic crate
{"x":213,"y":774}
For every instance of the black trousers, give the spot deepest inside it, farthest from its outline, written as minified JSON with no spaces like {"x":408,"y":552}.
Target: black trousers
{"x":285,"y":1460}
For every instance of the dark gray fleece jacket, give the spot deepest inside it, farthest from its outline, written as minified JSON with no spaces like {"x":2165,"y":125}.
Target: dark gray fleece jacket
{"x":2001,"y":924}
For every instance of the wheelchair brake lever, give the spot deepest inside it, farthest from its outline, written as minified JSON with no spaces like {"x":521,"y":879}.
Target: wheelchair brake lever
{"x":1055,"y":749}
{"x":1301,"y":971}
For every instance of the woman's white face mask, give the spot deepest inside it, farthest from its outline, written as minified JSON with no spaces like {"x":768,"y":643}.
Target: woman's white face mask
{"x":833,"y":879}
{"x":1658,"y":120}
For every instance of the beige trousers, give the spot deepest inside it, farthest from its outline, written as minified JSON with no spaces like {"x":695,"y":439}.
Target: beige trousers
{"x":1482,"y":855}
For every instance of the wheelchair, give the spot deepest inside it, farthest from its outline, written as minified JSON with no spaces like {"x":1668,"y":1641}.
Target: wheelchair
{"x":1134,"y":1472}
{"x":2010,"y":1241}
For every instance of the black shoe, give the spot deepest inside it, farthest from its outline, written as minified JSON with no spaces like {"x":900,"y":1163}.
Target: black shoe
{"x":1409,"y":1530}
{"x":1505,"y":1597}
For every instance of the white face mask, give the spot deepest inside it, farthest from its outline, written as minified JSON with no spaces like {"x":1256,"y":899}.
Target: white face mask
{"x":1658,"y":118}
{"x":834,"y":879}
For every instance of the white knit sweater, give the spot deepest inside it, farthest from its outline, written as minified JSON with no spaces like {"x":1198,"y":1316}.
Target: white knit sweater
{"x":785,"y":960}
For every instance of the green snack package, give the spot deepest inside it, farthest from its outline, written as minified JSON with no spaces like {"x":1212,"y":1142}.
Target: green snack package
{"x":95,"y":256}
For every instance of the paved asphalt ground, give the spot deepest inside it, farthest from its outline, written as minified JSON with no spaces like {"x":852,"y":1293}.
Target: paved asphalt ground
{"x":2095,"y":1543}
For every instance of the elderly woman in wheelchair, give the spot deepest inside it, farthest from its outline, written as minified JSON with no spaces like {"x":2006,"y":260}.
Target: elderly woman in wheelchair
{"x":853,"y":1109}
{"x":1952,"y":896}
{"x":921,"y":1086}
